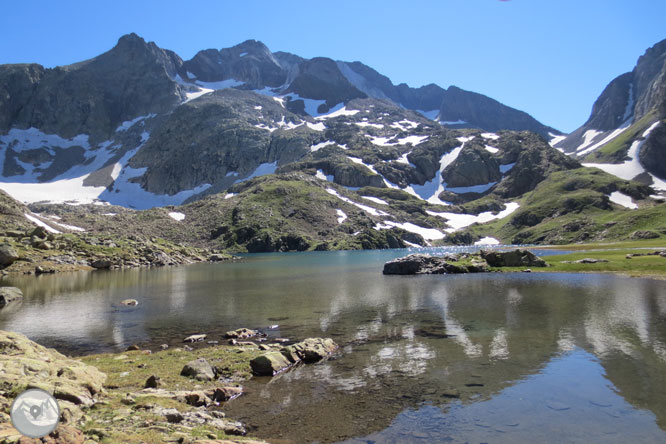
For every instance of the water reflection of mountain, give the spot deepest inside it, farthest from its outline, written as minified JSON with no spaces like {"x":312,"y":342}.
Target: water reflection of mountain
{"x":469,"y":339}
{"x":408,"y":341}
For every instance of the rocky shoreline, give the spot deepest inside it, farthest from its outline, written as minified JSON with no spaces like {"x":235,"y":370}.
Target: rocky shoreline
{"x":481,"y":262}
{"x":38,"y":251}
{"x":171,"y":395}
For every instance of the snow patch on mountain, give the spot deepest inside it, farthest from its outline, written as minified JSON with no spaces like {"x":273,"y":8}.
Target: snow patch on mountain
{"x":584,"y":149}
{"x":130,"y":123}
{"x":221,"y":84}
{"x":316,"y":126}
{"x":321,"y":145}
{"x":487,"y":241}
{"x":32,"y":218}
{"x":262,"y":170}
{"x":375,"y":200}
{"x":175,"y":215}
{"x":491,"y":149}
{"x":320,"y":175}
{"x":69,"y":191}
{"x":622,"y":199}
{"x":426,"y":233}
{"x":341,"y":215}
{"x":404,"y":125}
{"x":491,"y":136}
{"x":471,"y":189}
{"x":403,"y":159}
{"x":457,"y":221}
{"x":338,"y":111}
{"x":414,"y":140}
{"x":368,"y":124}
{"x":631,"y":168}
{"x":367,"y":209}
{"x":629,"y":110}
{"x":555,"y":139}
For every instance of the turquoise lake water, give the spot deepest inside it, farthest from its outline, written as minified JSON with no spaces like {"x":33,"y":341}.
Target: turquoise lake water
{"x":497,"y":358}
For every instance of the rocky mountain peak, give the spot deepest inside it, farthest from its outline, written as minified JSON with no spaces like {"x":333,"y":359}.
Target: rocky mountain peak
{"x":650,"y":80}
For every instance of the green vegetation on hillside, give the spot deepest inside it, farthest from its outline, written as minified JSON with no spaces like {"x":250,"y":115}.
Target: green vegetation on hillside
{"x":573,"y":206}
{"x":616,"y":150}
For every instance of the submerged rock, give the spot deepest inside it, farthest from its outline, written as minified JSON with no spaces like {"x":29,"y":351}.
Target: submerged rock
{"x":9,"y":295}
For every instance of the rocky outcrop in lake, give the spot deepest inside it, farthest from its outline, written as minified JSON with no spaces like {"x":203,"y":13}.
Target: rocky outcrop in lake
{"x":462,"y":263}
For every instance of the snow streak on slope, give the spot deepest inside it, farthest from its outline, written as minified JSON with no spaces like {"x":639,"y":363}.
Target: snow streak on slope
{"x":69,"y":188}
{"x":431,"y":190}
{"x":632,"y":167}
{"x":457,"y":221}
{"x":365,"y":208}
{"x":622,"y":199}
{"x":426,"y":233}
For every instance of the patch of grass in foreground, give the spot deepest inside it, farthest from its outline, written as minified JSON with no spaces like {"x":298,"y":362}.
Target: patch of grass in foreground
{"x":615,"y":254}
{"x":113,"y":420}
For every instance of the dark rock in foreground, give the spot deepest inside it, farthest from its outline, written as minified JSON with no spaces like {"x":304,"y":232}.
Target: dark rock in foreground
{"x":513,"y":258}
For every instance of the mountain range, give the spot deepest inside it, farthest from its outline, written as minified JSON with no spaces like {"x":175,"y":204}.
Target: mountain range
{"x":247,"y":149}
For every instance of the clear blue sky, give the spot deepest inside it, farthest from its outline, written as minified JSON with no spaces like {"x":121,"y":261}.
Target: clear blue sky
{"x":550,"y":58}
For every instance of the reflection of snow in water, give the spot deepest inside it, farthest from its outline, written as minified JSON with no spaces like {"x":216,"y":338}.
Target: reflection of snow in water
{"x":499,"y":348}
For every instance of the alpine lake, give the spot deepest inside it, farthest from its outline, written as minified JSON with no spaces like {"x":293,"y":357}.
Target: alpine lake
{"x":478,"y":358}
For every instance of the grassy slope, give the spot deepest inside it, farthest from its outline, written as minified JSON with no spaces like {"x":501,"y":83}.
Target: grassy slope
{"x":115,"y":421}
{"x":615,"y":254}
{"x":615,"y":151}
{"x":572,"y":206}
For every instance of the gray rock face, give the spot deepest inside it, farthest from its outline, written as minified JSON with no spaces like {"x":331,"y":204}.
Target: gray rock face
{"x":473,"y":166}
{"x":269,"y":364}
{"x":653,"y":152}
{"x":250,"y":62}
{"x":629,"y":97}
{"x":307,"y":351}
{"x":198,"y":369}
{"x":223,"y":140}
{"x":513,"y":258}
{"x":422,"y":264}
{"x":8,"y":255}
{"x":310,"y":350}
{"x":101,"y":264}
{"x":95,"y":96}
{"x":644,"y":234}
{"x":9,"y":295}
